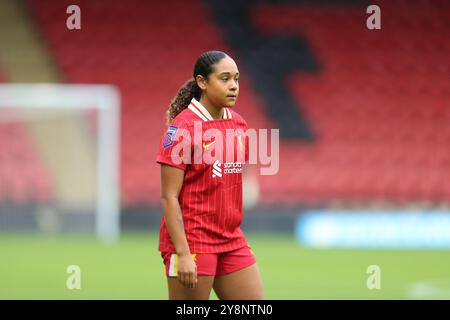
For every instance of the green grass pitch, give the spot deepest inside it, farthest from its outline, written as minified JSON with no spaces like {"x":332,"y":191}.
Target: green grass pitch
{"x":34,"y":267}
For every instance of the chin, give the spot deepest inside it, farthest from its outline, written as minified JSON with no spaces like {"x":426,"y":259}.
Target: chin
{"x":230,"y":104}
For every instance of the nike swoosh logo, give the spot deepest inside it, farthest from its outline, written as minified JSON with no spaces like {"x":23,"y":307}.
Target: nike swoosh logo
{"x":207,"y":145}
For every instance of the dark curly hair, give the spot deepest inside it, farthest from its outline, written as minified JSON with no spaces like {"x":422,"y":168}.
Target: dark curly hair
{"x":204,"y":67}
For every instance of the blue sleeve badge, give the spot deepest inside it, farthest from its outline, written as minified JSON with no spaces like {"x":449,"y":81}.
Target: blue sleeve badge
{"x":170,"y":136}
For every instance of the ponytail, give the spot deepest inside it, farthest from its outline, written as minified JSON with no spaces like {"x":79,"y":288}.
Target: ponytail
{"x":183,"y":98}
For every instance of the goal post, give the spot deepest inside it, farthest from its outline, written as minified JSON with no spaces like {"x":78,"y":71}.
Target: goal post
{"x":105,"y":99}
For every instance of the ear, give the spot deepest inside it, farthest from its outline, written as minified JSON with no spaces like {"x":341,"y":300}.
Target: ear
{"x":201,"y":82}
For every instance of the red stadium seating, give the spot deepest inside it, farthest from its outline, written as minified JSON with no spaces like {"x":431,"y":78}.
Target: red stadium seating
{"x":23,"y":175}
{"x":380,"y":106}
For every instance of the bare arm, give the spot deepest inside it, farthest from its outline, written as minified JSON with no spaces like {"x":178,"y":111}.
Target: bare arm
{"x":171,"y":183}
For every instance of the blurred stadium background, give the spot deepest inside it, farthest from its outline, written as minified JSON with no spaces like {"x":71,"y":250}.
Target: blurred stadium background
{"x":364,"y":119}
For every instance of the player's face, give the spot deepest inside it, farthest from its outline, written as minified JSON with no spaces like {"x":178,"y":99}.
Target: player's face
{"x":222,"y":86}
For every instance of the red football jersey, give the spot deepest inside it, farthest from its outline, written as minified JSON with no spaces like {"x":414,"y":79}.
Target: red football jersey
{"x":211,"y":196}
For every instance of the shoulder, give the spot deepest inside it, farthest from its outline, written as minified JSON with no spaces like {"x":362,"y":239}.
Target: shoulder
{"x":238,"y":119}
{"x":184,"y":119}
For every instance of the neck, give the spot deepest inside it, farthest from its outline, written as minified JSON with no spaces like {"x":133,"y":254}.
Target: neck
{"x":216,"y":113}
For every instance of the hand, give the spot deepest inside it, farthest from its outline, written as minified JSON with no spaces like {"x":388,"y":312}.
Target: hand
{"x":187,"y":271}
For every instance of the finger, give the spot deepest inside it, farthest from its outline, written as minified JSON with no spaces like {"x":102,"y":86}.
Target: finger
{"x":195,"y":275}
{"x":181,"y":278}
{"x":186,"y":280}
{"x":191,"y":280}
{"x":194,"y":279}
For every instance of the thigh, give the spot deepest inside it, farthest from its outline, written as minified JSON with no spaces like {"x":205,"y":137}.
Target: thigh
{"x":243,"y":284}
{"x":179,"y":292}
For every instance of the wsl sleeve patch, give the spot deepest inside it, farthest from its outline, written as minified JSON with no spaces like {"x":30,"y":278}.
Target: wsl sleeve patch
{"x":170,"y":136}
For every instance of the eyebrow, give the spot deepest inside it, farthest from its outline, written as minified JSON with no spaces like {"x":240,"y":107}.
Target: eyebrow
{"x":226,"y":72}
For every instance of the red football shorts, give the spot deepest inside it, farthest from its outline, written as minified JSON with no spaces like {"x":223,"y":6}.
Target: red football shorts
{"x":212,"y":264}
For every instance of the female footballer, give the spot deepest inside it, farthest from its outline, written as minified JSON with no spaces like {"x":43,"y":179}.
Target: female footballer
{"x":201,"y":242}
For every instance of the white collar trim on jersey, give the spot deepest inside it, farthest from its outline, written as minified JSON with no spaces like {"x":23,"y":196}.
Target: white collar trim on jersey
{"x":196,"y":107}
